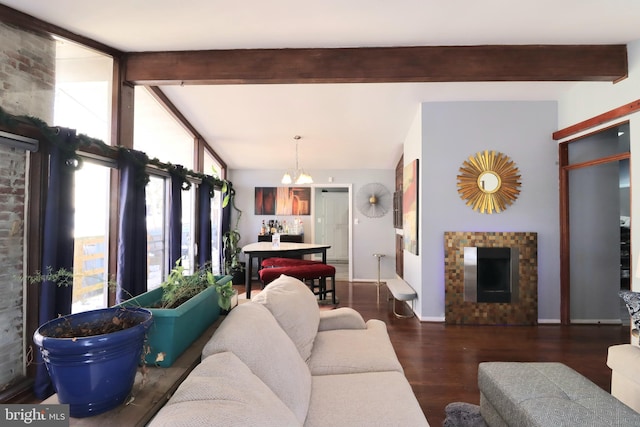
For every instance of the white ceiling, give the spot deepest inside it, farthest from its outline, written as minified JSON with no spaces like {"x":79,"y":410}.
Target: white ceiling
{"x":343,"y":126}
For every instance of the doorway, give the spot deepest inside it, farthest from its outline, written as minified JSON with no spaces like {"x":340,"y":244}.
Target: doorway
{"x":595,"y":212}
{"x":332,"y":227}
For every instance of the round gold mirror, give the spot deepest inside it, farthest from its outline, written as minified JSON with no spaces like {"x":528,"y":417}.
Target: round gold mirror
{"x":489,"y":182}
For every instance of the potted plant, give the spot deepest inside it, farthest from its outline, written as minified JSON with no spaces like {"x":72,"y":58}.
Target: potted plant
{"x":92,"y":357}
{"x":227,"y":295}
{"x":231,"y":249}
{"x":183,"y":307}
{"x":232,"y":264}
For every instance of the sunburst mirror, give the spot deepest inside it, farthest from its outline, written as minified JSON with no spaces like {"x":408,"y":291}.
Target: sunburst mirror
{"x":489,"y":182}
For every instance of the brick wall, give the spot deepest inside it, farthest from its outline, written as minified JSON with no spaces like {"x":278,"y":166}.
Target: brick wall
{"x":27,"y":79}
{"x":27,"y":73}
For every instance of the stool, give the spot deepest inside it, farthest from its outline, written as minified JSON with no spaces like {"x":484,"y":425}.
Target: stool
{"x":307,"y":272}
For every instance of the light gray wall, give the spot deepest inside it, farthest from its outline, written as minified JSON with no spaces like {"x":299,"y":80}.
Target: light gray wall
{"x":370,"y":235}
{"x":450,"y":132}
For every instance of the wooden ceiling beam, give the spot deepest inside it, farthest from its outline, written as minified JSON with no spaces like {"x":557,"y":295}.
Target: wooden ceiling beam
{"x":381,"y":65}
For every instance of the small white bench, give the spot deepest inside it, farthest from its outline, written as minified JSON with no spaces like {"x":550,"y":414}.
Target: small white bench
{"x":401,"y":291}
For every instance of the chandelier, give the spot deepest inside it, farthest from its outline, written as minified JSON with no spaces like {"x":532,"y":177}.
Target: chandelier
{"x":299,"y":176}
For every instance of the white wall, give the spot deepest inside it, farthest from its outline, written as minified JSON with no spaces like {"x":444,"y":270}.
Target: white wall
{"x":587,"y":100}
{"x":370,"y":235}
{"x":450,"y":133}
{"x":413,"y":264}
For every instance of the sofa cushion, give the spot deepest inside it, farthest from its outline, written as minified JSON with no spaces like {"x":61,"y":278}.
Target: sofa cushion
{"x":346,"y":351}
{"x":252,"y":334}
{"x":366,"y":399}
{"x":295,"y":308}
{"x":222,"y":391}
{"x":341,"y":318}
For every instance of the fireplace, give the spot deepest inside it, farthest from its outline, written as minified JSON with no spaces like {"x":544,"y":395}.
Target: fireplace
{"x":491,"y":278}
{"x":490,"y":274}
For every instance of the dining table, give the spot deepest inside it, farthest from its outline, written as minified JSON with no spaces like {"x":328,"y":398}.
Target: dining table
{"x":262,"y":250}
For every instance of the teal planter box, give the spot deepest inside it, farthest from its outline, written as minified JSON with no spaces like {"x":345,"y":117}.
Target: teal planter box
{"x":175,"y":329}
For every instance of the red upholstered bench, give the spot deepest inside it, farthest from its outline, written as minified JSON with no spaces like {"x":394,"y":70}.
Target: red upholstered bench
{"x":306,"y":273}
{"x":286,"y":262}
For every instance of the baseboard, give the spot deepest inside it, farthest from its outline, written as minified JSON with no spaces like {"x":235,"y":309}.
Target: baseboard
{"x":549,"y":321}
{"x":431,"y":319}
{"x":596,"y":321}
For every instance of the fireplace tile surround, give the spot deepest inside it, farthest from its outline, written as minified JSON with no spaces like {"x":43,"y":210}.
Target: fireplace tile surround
{"x":521,"y":312}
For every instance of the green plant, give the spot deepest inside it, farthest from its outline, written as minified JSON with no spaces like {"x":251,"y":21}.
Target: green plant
{"x":61,"y":277}
{"x":231,"y":238}
{"x":232,"y":251}
{"x":179,"y":287}
{"x":225,"y":291}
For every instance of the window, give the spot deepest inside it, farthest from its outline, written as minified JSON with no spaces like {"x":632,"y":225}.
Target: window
{"x":83,"y":102}
{"x":91,"y":234}
{"x":212,"y":167}
{"x":83,"y":90}
{"x":156,"y":231}
{"x":158,"y":134}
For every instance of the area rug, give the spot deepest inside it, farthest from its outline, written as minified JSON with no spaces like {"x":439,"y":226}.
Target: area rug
{"x":461,"y":414}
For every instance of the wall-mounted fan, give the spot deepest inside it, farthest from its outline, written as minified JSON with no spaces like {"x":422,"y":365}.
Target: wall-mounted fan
{"x":373,"y":200}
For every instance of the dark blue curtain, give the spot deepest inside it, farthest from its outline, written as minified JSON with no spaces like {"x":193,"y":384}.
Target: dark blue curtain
{"x":175,"y":218}
{"x":205,"y":192}
{"x":57,"y":243}
{"x":132,"y":228}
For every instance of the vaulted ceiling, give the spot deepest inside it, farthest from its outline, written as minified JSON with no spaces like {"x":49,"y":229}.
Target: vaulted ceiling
{"x":352,"y":106}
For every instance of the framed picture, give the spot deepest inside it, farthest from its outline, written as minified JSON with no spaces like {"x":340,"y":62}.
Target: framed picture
{"x":265,"y":201}
{"x":410,"y":207}
{"x":283,"y":201}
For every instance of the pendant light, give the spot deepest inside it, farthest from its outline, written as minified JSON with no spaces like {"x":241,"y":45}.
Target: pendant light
{"x":299,"y":176}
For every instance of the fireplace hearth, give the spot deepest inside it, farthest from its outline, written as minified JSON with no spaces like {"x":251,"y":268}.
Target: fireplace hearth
{"x":491,"y":278}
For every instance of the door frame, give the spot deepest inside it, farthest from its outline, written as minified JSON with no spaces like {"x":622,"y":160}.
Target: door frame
{"x":349,"y":188}
{"x":565,"y":247}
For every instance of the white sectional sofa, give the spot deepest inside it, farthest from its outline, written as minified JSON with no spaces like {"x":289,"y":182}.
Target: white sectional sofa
{"x":280,"y":361}
{"x":624,"y":361}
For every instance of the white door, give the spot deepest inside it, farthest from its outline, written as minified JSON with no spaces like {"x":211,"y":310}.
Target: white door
{"x":333,"y":224}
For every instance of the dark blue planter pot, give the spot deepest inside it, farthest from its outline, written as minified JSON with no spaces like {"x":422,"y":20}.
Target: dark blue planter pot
{"x":94,"y":374}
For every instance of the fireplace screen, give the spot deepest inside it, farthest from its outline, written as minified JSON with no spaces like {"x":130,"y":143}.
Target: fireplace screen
{"x":490,"y":274}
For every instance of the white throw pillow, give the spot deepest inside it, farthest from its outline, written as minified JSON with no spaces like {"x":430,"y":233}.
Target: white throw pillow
{"x":295,"y":308}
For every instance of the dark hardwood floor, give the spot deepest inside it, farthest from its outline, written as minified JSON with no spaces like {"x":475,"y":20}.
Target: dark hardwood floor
{"x":441,"y":361}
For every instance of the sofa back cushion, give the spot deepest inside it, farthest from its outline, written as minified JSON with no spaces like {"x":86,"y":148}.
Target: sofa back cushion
{"x":254,"y":336}
{"x":295,"y":308}
{"x":222,"y":391}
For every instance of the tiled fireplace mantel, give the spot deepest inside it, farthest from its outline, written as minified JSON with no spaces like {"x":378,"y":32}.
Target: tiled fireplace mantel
{"x":524,"y":311}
